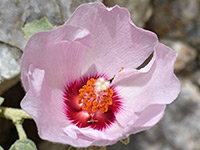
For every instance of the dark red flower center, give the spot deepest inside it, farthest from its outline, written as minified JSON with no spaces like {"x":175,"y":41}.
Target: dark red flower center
{"x":91,"y":102}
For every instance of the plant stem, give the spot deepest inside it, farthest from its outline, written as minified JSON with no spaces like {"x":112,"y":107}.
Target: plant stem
{"x":20,"y":131}
{"x":17,"y":116}
{"x":14,"y":114}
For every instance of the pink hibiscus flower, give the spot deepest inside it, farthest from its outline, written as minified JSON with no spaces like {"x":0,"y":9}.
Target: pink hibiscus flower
{"x":81,"y":82}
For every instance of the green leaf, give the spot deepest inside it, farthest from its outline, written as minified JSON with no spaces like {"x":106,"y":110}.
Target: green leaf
{"x":1,"y":100}
{"x":23,"y":145}
{"x":36,"y":26}
{"x":125,"y":141}
{"x":1,"y":148}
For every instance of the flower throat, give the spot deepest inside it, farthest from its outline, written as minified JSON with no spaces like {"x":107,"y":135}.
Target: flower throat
{"x":96,"y":96}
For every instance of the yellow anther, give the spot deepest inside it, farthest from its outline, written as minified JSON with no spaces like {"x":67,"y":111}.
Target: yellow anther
{"x":95,"y":103}
{"x":84,"y":87}
{"x":81,"y":90}
{"x":79,"y":101}
{"x":110,"y":92}
{"x":92,"y":79}
{"x":88,"y":103}
{"x":90,"y":112}
{"x":84,"y":107}
{"x":85,"y":100}
{"x":81,"y":94}
{"x":92,"y":91}
{"x":110,"y":102}
{"x":103,"y":109}
{"x":102,"y":103}
{"x":95,"y":98}
{"x":89,"y":95}
{"x":105,"y":97}
{"x":122,"y":68}
{"x":94,"y":109}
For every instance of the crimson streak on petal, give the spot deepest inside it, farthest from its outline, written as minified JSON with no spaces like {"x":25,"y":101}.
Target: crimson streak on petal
{"x":80,"y":117}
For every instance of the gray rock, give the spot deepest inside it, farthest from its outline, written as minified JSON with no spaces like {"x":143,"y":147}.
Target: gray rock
{"x":9,"y":66}
{"x":186,"y":53}
{"x":68,"y":7}
{"x":177,"y":19}
{"x":13,"y":16}
{"x":45,"y":145}
{"x":140,"y":10}
{"x":196,"y":78}
{"x":9,"y":62}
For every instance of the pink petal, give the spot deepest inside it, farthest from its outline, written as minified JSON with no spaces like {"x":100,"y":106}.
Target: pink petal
{"x":96,"y":137}
{"x":49,"y":49}
{"x":63,"y":63}
{"x":154,"y":84}
{"x":146,"y":119}
{"x":117,"y":41}
{"x":45,"y":105}
{"x":149,"y":116}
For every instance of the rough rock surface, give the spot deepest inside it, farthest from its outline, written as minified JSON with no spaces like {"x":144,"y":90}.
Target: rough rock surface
{"x":14,"y":14}
{"x":9,"y":66}
{"x":177,"y":19}
{"x":186,"y":53}
{"x":44,"y":145}
{"x":140,"y":10}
